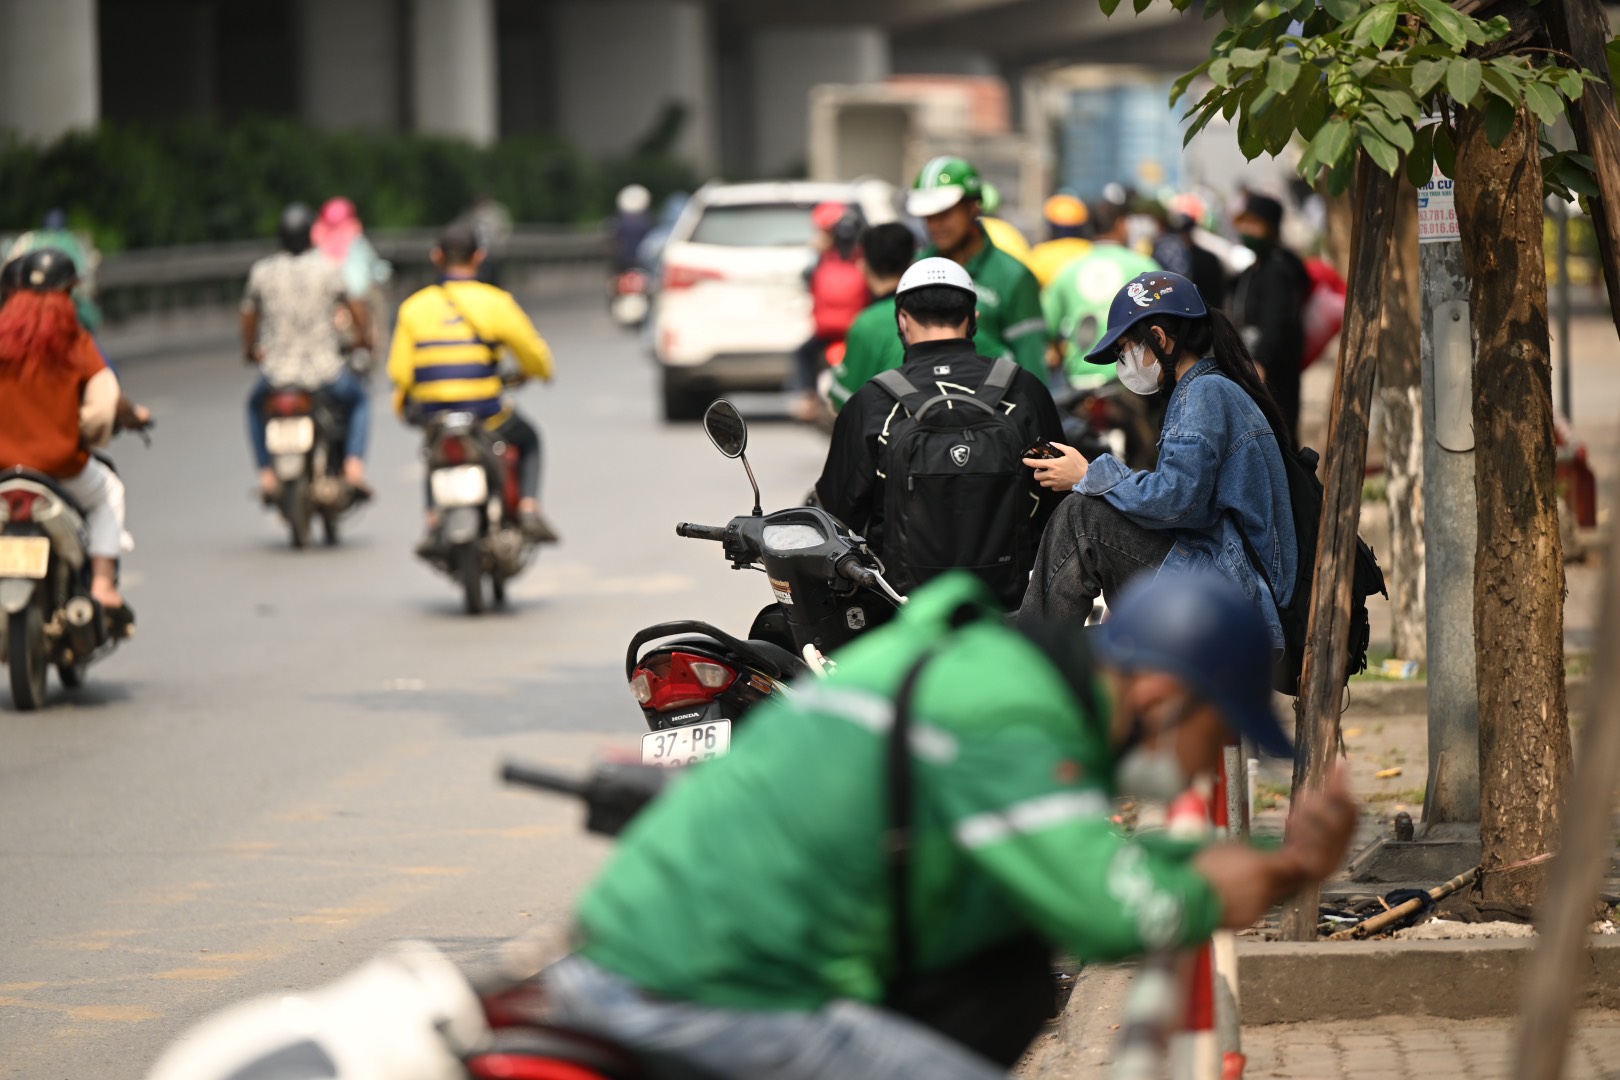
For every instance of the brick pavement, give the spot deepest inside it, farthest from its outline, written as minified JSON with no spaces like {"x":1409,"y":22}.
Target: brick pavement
{"x":1395,"y":1047}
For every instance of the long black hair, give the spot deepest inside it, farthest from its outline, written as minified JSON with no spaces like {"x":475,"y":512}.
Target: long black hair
{"x":1214,"y":335}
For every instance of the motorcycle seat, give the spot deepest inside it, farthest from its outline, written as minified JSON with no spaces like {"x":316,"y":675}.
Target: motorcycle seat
{"x":784,"y":660}
{"x":17,"y":472}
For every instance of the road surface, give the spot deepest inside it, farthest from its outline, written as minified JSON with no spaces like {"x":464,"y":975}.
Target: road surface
{"x":293,"y":761}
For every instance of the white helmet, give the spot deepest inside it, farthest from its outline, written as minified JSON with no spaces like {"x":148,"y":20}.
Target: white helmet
{"x":936,"y":271}
{"x":406,"y":1015}
{"x":634,"y":199}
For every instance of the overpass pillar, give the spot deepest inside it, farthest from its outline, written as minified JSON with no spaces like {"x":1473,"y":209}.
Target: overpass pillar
{"x":50,"y":76}
{"x":622,"y":63}
{"x":787,"y":62}
{"x":349,"y":63}
{"x":453,"y":69}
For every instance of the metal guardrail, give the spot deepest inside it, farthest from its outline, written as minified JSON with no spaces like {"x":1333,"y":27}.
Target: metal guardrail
{"x":203,"y":275}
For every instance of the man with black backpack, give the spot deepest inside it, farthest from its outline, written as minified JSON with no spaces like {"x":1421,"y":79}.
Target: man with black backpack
{"x":926,"y":460}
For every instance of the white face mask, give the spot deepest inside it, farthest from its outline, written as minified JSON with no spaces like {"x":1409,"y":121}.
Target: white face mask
{"x":1139,"y":374}
{"x":1154,"y":775}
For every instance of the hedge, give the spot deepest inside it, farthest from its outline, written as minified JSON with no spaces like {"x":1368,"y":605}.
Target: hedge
{"x":195,"y":182}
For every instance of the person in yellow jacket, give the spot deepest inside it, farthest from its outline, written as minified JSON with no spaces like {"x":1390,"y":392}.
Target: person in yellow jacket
{"x":1066,"y":224}
{"x":446,"y":358}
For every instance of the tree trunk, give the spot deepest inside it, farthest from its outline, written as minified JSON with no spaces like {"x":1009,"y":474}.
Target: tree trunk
{"x":1524,"y":740}
{"x":1400,"y":382}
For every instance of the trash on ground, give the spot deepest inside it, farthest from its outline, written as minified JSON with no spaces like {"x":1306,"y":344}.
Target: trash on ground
{"x":1388,"y":774}
{"x":1400,"y":669}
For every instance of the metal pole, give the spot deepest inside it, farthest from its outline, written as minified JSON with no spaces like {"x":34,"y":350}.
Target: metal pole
{"x":1452,"y":799}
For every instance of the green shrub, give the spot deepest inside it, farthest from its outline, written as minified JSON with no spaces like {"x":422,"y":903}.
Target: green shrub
{"x":195,"y":182}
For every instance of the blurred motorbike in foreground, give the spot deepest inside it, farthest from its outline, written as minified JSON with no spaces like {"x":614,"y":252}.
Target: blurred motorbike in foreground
{"x":698,"y":680}
{"x":305,"y":432}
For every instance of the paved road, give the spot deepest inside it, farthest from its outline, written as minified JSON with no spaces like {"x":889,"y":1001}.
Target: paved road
{"x":292,"y":763}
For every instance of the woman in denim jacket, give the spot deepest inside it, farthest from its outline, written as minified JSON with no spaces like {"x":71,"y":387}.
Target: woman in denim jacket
{"x":1219,"y":491}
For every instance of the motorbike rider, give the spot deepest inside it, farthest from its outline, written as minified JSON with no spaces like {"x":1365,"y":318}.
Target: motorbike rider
{"x":1219,"y":489}
{"x":630,"y":226}
{"x":872,"y":345}
{"x":1067,"y":231}
{"x":934,"y":313}
{"x":289,"y":331}
{"x":59,"y":400}
{"x":446,"y":358}
{"x":1076,"y":304}
{"x":838,"y":294}
{"x":788,"y":946}
{"x":948,"y":196}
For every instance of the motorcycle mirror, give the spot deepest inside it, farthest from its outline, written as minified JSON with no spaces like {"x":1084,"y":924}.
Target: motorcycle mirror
{"x":729,"y":433}
{"x":726,"y":428}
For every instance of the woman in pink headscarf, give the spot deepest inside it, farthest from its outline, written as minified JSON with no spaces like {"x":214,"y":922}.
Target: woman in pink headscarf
{"x":339,"y":233}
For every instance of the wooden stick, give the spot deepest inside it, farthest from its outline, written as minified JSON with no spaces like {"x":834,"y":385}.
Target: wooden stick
{"x":1327,"y":645}
{"x":1376,"y":924}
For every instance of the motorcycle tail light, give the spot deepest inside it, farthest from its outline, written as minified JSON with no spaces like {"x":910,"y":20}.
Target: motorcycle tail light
{"x":454,"y":452}
{"x":680,"y":680}
{"x":684,"y":277}
{"x":17,"y":505}
{"x":289,"y":403}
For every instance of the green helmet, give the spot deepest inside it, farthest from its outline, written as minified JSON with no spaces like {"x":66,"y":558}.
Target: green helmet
{"x":942,"y":183}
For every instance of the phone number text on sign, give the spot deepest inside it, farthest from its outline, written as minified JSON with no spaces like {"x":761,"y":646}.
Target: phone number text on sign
{"x":1437,"y":211}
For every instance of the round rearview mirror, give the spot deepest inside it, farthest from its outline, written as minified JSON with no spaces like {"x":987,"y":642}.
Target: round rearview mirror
{"x":726,"y":428}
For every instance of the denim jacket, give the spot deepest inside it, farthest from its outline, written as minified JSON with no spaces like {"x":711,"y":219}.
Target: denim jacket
{"x":1220,"y":478}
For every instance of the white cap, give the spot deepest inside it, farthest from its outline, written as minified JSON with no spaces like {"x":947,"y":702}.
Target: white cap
{"x":634,"y":199}
{"x":936,"y":271}
{"x":926,"y":202}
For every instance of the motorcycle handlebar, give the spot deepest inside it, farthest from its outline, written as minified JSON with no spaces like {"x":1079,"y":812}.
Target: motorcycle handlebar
{"x":852,"y":569}
{"x":545,"y":780}
{"x":701,"y":532}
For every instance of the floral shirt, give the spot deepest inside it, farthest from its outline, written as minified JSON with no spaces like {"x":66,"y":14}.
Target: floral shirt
{"x":296,"y":297}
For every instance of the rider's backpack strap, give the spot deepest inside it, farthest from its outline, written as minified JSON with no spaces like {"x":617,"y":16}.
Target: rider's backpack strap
{"x":900,"y":388}
{"x":995,"y":384}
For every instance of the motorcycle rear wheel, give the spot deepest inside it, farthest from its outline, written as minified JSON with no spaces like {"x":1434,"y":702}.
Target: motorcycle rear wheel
{"x":329,"y":528}
{"x":470,"y":572}
{"x":25,"y":648}
{"x":296,"y":508}
{"x":497,"y":590}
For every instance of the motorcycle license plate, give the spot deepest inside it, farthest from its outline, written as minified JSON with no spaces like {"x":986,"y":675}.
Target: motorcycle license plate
{"x":686,"y":745}
{"x":462,"y":485}
{"x":24,"y":556}
{"x":290,"y":434}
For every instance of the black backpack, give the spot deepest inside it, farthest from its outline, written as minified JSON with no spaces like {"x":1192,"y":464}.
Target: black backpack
{"x":1305,"y":495}
{"x":956,"y":492}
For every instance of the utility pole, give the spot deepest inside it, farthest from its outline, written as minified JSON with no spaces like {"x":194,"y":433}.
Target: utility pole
{"x":1451,"y":802}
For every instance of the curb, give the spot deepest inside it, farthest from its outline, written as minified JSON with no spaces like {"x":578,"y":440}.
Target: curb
{"x":1287,"y":982}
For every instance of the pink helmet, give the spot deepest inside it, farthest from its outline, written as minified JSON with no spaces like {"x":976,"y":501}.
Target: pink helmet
{"x":338,"y":211}
{"x":828,"y":214}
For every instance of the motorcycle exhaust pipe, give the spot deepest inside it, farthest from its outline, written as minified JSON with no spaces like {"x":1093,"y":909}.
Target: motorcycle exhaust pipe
{"x":82,"y":617}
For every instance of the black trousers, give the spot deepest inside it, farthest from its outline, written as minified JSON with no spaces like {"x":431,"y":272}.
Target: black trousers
{"x":520,"y":433}
{"x":1089,"y":548}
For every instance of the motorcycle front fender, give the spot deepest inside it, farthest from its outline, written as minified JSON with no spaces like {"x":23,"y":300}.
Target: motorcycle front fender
{"x":16,"y":594}
{"x":461,"y":525}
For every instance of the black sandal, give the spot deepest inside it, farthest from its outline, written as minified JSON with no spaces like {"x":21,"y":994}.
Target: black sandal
{"x":120,"y":621}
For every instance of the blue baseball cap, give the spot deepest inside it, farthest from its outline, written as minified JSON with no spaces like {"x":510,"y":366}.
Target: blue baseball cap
{"x":1157,"y":292}
{"x":1202,"y":628}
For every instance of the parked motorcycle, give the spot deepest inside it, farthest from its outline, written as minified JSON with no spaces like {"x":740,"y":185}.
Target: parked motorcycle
{"x":50,"y":616}
{"x":305,"y":432}
{"x":473,"y":494}
{"x":1109,"y":419}
{"x":829,"y":588}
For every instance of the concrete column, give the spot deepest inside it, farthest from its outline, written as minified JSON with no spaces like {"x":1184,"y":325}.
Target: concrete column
{"x":623,"y":62}
{"x":50,"y":79}
{"x":787,"y":62}
{"x":348,"y":63}
{"x":453,"y":69}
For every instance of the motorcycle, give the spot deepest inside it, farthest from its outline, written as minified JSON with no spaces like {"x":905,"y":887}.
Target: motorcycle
{"x":829,"y":589}
{"x":50,"y":616}
{"x":1109,"y":419}
{"x":305,"y":432}
{"x":630,"y":298}
{"x":473,"y":495}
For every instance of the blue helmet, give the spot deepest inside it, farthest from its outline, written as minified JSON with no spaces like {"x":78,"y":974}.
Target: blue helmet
{"x":1157,"y":292}
{"x":1202,"y":628}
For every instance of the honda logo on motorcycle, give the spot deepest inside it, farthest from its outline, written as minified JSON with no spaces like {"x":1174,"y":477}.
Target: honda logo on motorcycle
{"x":959,"y":454}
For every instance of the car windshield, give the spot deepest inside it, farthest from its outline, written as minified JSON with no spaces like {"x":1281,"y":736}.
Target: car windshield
{"x":757,"y":225}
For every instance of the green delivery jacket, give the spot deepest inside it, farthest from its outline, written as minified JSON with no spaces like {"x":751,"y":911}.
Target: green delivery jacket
{"x":1011,"y":322}
{"x":758,"y":882}
{"x":871,"y":347}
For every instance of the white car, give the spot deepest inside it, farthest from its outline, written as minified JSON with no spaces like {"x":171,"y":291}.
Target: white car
{"x":732,"y":306}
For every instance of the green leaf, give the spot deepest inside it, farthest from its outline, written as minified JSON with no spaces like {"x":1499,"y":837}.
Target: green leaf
{"x":1463,"y":80}
{"x":1342,"y":10}
{"x":1503,"y":82}
{"x":1244,"y":59}
{"x":1426,"y":75}
{"x":1494,"y":29}
{"x":1238,"y":12}
{"x":1377,"y":25}
{"x":1220,"y":72}
{"x":1572,"y":85}
{"x":1580,"y":181}
{"x":1282,"y":72}
{"x":1449,"y":26}
{"x":1546,"y":104}
{"x":1445,"y":151}
{"x":1389,"y":129}
{"x":1332,"y":142}
{"x":1399,"y":102}
{"x":1313,"y":113}
{"x":1211,"y":107}
{"x":1614,"y":61}
{"x":1383,"y":153}
{"x":1108,"y":6}
{"x":1182,"y":84}
{"x":1420,"y":159}
{"x":1499,"y":119}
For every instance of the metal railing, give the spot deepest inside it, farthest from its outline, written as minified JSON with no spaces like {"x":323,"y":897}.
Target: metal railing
{"x":212,"y":275}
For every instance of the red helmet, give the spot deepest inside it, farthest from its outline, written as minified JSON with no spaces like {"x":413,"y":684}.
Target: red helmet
{"x":828,"y":214}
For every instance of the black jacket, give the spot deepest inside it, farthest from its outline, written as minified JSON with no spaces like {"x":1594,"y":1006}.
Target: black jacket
{"x":850,"y":488}
{"x":1268,"y":305}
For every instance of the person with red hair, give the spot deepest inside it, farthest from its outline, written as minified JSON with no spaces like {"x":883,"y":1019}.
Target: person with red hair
{"x":58,"y":400}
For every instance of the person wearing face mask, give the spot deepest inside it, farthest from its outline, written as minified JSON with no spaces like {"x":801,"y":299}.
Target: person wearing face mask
{"x":1218,"y":496}
{"x":961,"y":772}
{"x":1268,"y":304}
